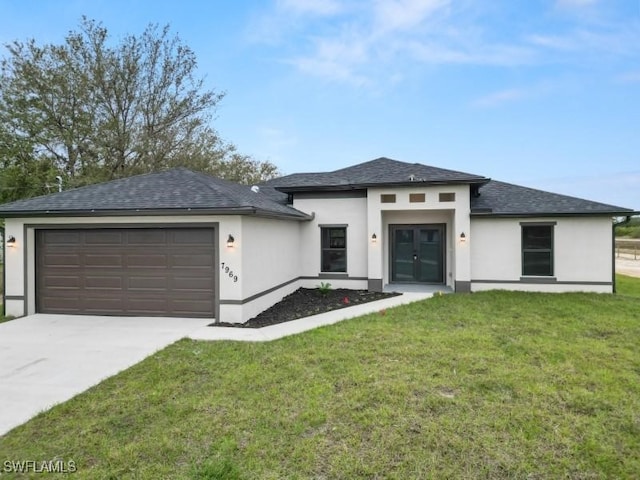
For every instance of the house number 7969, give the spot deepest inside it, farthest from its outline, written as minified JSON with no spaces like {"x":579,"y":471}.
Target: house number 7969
{"x":228,"y":271}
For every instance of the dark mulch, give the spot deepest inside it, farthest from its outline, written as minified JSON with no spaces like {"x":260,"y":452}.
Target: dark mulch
{"x":305,"y":302}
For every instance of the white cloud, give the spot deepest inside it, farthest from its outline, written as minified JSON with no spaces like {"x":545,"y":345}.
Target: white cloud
{"x":360,"y":42}
{"x":404,"y":14}
{"x":612,"y":41}
{"x":440,"y":53}
{"x":337,"y":59}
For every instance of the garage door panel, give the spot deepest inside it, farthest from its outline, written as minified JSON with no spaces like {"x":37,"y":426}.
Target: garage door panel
{"x":127,"y":271}
{"x":102,"y":261}
{"x":192,"y":284}
{"x":195,"y":260}
{"x":63,"y":237}
{"x":61,"y":303}
{"x":61,"y":260}
{"x":147,"y":260}
{"x":201,"y":237}
{"x":103,"y":282}
{"x":147,"y":237}
{"x":139,"y":283}
{"x":62,"y":282}
{"x":184,"y":308}
{"x":147,"y":306}
{"x":103,"y":237}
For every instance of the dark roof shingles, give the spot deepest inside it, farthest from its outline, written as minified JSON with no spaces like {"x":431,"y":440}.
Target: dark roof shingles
{"x":381,"y":171}
{"x":176,"y":189}
{"x":500,"y":198}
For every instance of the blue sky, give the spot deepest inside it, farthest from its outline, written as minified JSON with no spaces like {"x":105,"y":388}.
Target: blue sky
{"x":544,"y":93}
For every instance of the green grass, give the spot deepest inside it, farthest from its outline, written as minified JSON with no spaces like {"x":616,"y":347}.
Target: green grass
{"x":626,"y":285}
{"x":490,"y":385}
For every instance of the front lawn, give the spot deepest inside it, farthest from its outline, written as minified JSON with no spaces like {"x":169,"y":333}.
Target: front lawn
{"x":489,"y":385}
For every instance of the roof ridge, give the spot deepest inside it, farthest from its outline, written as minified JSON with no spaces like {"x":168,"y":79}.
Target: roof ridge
{"x":211,"y":182}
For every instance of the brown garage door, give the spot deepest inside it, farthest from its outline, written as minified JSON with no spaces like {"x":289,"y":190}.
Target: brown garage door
{"x":141,"y":272}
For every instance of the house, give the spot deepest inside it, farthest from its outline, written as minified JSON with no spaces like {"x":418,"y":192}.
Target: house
{"x":179,"y":243}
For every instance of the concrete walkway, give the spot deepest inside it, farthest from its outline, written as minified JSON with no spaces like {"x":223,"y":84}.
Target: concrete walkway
{"x":293,"y":327}
{"x":48,"y":359}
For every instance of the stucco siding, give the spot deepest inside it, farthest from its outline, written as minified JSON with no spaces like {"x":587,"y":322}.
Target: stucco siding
{"x":14,"y":270}
{"x":334,"y":211}
{"x":495,"y":249}
{"x":582,"y":256}
{"x":584,"y":249}
{"x":270,"y":259}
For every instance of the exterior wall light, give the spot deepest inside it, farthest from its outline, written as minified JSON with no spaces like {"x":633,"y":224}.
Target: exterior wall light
{"x":11,"y":241}
{"x":374,"y":238}
{"x":230,"y":241}
{"x":463,"y":237}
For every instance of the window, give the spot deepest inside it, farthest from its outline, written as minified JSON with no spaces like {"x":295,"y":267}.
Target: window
{"x":447,"y":197}
{"x":416,"y":197}
{"x":537,"y":250}
{"x":388,"y":198}
{"x":334,"y":249}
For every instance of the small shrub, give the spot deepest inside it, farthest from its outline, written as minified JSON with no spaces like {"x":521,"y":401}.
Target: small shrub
{"x":324,"y":288}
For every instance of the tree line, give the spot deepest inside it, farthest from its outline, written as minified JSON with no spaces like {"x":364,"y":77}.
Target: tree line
{"x":90,"y":110}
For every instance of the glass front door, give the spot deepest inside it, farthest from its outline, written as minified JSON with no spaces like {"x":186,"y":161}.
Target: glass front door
{"x":417,"y":253}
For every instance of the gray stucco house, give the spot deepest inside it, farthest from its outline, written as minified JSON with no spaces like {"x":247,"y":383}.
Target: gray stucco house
{"x":179,"y":243}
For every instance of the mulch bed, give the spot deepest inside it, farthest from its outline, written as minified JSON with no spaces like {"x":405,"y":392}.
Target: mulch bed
{"x":305,"y":302}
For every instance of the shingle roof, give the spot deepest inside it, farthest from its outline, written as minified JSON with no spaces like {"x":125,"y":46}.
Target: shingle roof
{"x":499,"y":198}
{"x":378,"y":172}
{"x":178,"y":190}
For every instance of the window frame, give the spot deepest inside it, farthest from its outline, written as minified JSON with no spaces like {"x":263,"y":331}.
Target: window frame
{"x":325,"y":237}
{"x":550,"y":250}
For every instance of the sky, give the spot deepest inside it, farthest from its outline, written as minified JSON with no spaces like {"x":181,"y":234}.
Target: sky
{"x":542,"y":93}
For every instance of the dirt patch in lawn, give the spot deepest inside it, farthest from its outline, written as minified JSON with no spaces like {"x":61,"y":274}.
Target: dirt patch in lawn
{"x":305,"y":302}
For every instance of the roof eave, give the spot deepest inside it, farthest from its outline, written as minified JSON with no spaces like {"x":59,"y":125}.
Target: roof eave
{"x":613,"y":213}
{"x":155,"y":212}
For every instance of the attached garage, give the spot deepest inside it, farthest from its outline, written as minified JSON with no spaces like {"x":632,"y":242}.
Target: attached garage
{"x":127,"y":271}
{"x":167,"y":244}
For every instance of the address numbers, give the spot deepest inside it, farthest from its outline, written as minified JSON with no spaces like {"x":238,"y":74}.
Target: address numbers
{"x":228,"y":271}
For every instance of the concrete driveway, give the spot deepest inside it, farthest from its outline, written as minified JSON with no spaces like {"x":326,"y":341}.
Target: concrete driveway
{"x":47,"y":359}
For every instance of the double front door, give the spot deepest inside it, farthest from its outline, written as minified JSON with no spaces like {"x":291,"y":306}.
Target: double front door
{"x":417,"y":253}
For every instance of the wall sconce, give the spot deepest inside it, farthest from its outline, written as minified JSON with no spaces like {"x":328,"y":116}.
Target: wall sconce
{"x":374,"y":238}
{"x":11,"y":241}
{"x":230,"y":241}
{"x":463,"y":237}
